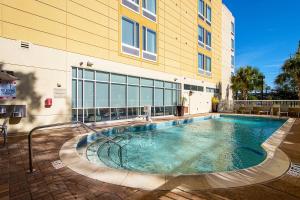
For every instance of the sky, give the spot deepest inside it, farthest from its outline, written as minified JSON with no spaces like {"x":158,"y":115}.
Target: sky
{"x":267,"y":33}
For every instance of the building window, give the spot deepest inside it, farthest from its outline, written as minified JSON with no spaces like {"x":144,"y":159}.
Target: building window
{"x":208,"y":40}
{"x":100,"y":96}
{"x":208,"y":14}
{"x":232,"y":28}
{"x":130,"y":37}
{"x":149,"y":9}
{"x":208,"y":64}
{"x":201,"y":36}
{"x":201,"y":8}
{"x":232,"y":61}
{"x":149,"y":44}
{"x":132,"y":4}
{"x":200,"y":63}
{"x":232,"y":44}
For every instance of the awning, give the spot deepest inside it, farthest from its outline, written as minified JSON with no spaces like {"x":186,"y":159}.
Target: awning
{"x":4,"y":76}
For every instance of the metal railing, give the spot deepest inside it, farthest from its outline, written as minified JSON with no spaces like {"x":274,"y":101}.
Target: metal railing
{"x":289,"y":103}
{"x":30,"y":151}
{"x":234,"y":105}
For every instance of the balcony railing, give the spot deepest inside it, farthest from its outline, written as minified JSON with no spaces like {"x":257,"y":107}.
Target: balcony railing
{"x":290,"y":107}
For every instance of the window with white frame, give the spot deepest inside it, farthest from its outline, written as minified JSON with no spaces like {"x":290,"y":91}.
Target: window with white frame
{"x":208,"y":14}
{"x":130,"y":37}
{"x":208,"y":40}
{"x":232,"y":61}
{"x":102,"y":96}
{"x":208,"y":64}
{"x":232,"y":44}
{"x":149,"y":9}
{"x":200,"y":63}
{"x":201,"y":8}
{"x":132,"y":4}
{"x":200,"y":35}
{"x":149,"y":44}
{"x":232,"y":27}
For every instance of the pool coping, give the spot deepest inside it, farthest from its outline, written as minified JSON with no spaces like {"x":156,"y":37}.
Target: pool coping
{"x":274,"y":166}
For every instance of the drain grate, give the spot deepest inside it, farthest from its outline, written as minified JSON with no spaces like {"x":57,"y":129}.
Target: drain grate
{"x":57,"y":164}
{"x":294,"y":170}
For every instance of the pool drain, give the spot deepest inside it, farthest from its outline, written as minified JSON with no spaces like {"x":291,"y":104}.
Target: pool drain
{"x":294,"y":170}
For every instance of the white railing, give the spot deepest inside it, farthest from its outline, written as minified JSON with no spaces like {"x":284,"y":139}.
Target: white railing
{"x":289,"y":103}
{"x":255,"y":105}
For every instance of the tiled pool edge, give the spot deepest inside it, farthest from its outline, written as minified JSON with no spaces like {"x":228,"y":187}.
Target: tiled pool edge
{"x":276,"y":164}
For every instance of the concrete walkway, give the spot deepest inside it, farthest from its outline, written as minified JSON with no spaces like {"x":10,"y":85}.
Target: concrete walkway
{"x":50,"y":183}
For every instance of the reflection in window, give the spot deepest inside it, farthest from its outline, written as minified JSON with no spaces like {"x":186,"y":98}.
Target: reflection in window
{"x":130,"y":32}
{"x":89,"y":94}
{"x":208,"y":39}
{"x":102,"y":95}
{"x":150,"y":5}
{"x":149,"y":40}
{"x":146,"y":96}
{"x":200,"y":62}
{"x":208,"y":13}
{"x":201,"y":8}
{"x":95,"y":98}
{"x":118,"y":93}
{"x":208,"y":64}
{"x":200,"y":34}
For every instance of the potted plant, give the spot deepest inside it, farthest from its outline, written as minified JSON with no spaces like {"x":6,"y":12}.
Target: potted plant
{"x":180,"y":108}
{"x":215,"y":103}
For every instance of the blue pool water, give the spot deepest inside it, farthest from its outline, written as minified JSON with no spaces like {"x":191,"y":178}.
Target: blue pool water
{"x":222,"y":144}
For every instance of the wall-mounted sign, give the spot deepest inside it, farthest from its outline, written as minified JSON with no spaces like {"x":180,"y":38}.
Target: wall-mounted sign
{"x":59,"y":93}
{"x":7,"y":90}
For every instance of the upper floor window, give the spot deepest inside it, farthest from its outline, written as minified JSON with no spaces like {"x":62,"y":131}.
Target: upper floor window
{"x":201,"y":35}
{"x":149,"y":44}
{"x":232,"y":44}
{"x":208,"y":40}
{"x":130,"y":37}
{"x":232,"y":61}
{"x":232,"y":27}
{"x":200,"y":63}
{"x":208,"y":14}
{"x":149,"y":9}
{"x":201,"y":8}
{"x":132,"y":4}
{"x":208,"y":63}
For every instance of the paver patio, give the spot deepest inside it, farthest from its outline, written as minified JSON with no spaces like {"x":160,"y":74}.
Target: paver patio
{"x":50,"y":183}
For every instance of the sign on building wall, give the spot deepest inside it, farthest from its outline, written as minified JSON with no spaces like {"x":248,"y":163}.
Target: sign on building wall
{"x":7,"y":90}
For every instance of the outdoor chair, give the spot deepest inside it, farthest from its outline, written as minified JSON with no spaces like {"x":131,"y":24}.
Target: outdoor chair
{"x":283,"y":110}
{"x":265,"y":110}
{"x":295,"y":111}
{"x":3,"y":130}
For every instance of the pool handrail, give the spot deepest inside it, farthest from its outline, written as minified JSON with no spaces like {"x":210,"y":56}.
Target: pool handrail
{"x":30,"y":151}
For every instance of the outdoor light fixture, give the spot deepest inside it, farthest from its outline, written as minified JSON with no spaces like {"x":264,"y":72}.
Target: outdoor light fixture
{"x":81,"y":63}
{"x":58,"y":84}
{"x":89,"y":64}
{"x":175,"y":79}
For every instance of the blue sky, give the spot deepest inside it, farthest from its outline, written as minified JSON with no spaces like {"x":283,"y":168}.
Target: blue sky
{"x":267,"y":33}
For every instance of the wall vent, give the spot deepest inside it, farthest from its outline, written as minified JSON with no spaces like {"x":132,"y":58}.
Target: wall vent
{"x":25,"y":45}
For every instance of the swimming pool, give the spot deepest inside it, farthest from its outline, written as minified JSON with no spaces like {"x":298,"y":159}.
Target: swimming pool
{"x":191,"y":146}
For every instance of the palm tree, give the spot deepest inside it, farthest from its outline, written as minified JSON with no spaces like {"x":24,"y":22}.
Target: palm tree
{"x":246,"y":80}
{"x":290,"y":76}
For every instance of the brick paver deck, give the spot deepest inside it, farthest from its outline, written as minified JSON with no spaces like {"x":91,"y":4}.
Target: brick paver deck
{"x":50,"y":183}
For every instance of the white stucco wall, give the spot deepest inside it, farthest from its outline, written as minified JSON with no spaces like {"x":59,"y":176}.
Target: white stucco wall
{"x":227,"y":35}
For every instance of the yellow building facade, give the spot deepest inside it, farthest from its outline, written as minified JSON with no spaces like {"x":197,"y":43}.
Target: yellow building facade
{"x":61,"y":37}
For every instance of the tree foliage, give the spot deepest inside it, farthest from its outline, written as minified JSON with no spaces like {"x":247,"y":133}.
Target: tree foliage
{"x":246,"y":80}
{"x":289,"y":79}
